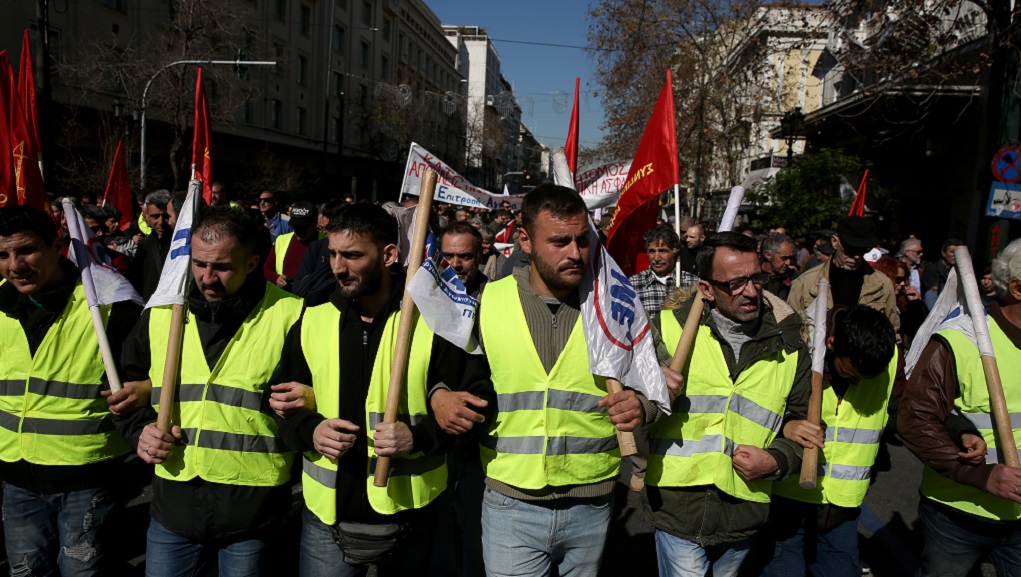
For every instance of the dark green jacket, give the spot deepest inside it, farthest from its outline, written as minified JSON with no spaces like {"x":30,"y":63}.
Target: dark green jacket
{"x":706,"y":515}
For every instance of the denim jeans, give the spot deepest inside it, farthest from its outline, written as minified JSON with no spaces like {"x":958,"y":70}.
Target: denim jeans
{"x":528,"y":538}
{"x":678,"y":557}
{"x":44,"y":533}
{"x":168,"y":554}
{"x":790,"y":545}
{"x":954,"y":542}
{"x":321,"y":557}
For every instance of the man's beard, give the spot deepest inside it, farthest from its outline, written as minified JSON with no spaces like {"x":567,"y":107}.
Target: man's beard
{"x":368,"y":284}
{"x":550,"y":276}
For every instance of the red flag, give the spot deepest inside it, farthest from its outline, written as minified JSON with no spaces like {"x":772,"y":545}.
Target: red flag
{"x":118,"y":188}
{"x":653,"y":170}
{"x":858,"y":206}
{"x":506,"y":236}
{"x":26,"y":89}
{"x":201,"y":163}
{"x":26,"y":184}
{"x":571,"y":146}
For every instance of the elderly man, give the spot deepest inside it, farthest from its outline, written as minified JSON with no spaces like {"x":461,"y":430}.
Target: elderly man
{"x":712,"y":461}
{"x":968,"y":509}
{"x":656,"y":282}
{"x":60,"y":458}
{"x":144,"y":272}
{"x":910,"y":254}
{"x":221,"y":479}
{"x":778,"y":260}
{"x":852,"y":281}
{"x":461,"y":245}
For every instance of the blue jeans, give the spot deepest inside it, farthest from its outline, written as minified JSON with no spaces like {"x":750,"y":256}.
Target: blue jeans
{"x":527,"y":538}
{"x":791,"y":544}
{"x":678,"y":557}
{"x":65,"y":530}
{"x":321,"y":557}
{"x":168,"y":554}
{"x":954,"y":542}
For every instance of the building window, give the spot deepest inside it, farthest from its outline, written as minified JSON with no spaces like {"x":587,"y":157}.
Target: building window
{"x":387,"y":28}
{"x":384,"y":67}
{"x":338,"y":88}
{"x":115,"y":4}
{"x":363,"y":57}
{"x":280,"y":9}
{"x":363,"y":95}
{"x":278,"y":55}
{"x":367,"y":13}
{"x":306,"y":19}
{"x":342,"y":4}
{"x":249,"y":113}
{"x":302,"y":70}
{"x":300,"y":127}
{"x":338,"y":39}
{"x":334,"y":128}
{"x":275,"y":110}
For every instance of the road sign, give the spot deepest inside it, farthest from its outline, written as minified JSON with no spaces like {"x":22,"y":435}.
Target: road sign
{"x":1007,"y":164}
{"x":1004,"y":200}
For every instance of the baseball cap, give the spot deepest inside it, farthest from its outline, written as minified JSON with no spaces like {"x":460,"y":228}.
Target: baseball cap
{"x":303,"y":214}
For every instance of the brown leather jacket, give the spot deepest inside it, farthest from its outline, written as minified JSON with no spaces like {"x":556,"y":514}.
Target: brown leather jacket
{"x":928,"y":401}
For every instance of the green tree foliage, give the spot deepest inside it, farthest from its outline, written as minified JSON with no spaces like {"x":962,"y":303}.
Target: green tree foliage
{"x":806,"y":197}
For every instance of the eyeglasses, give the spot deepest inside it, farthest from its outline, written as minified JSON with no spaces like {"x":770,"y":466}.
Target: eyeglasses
{"x":736,"y":285}
{"x":266,"y":200}
{"x":901,"y":279}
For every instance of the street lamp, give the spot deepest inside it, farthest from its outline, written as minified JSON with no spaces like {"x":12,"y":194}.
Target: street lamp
{"x":791,"y":125}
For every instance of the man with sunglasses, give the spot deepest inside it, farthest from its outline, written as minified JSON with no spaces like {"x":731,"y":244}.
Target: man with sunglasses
{"x":713,"y":460}
{"x":277,"y":222}
{"x":852,"y":281}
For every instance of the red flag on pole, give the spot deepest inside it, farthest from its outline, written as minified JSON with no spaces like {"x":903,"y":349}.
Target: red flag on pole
{"x":653,"y":170}
{"x":26,"y":89}
{"x":118,"y":188}
{"x":201,"y":161}
{"x":571,"y":146}
{"x":858,"y":206}
{"x":26,"y":185}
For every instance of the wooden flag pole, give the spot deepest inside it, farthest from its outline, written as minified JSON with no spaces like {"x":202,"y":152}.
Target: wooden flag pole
{"x":408,"y":313}
{"x":168,"y":389}
{"x":810,"y":460}
{"x":1005,"y":435}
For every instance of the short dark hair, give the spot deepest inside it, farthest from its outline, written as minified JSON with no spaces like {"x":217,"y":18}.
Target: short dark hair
{"x":368,"y":219}
{"x":559,"y":201}
{"x":214,"y":223}
{"x":93,"y":212}
{"x":177,"y":201}
{"x":866,"y":337}
{"x":951,"y":242}
{"x":663,"y":233}
{"x":15,"y":219}
{"x":501,"y":212}
{"x":732,"y":240}
{"x":113,"y":212}
{"x":331,"y":208}
{"x":464,"y":227}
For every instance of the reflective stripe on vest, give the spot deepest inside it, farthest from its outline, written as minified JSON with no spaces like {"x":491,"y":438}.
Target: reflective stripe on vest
{"x":852,"y":442}
{"x":973,"y":402}
{"x":229,"y":435}
{"x":415,"y":480}
{"x":550,"y":431}
{"x":694,"y":445}
{"x":51,"y":411}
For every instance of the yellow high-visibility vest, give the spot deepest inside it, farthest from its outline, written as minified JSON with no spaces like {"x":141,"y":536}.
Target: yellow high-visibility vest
{"x":229,"y":435}
{"x":415,"y":479}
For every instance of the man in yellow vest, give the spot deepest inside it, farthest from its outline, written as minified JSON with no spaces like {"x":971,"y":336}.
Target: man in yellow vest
{"x":221,"y":481}
{"x":285,"y":256}
{"x":550,"y":457}
{"x":60,"y":457}
{"x":345,"y":348}
{"x":968,"y":510}
{"x":713,"y":460}
{"x":817,"y":531}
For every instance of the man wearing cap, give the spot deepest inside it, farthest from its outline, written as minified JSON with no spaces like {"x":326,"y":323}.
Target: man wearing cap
{"x":284,"y":258}
{"x":851,"y":280}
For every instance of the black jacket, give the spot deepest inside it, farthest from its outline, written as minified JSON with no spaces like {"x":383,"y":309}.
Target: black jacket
{"x":359,"y":342}
{"x":314,"y":280}
{"x":145,"y":269}
{"x":37,"y":315}
{"x":198,"y":509}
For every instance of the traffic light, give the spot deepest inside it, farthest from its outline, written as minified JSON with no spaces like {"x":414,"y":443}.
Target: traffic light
{"x":525,"y":172}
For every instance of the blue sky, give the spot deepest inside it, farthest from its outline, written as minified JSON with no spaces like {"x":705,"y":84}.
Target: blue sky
{"x":538,"y":72}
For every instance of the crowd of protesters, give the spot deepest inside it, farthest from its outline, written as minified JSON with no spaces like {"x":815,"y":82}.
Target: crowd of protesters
{"x":503,"y":463}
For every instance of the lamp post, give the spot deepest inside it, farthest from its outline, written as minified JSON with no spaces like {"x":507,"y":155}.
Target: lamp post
{"x":791,"y":125}
{"x":148,"y":84}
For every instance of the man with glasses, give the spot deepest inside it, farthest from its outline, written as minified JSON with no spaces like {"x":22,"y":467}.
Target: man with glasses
{"x":852,"y":282}
{"x":712,"y":462}
{"x":778,"y":261}
{"x":911,"y":255}
{"x":277,"y":222}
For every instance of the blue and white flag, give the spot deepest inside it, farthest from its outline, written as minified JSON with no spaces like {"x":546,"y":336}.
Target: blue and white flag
{"x":102,"y":282}
{"x":442,"y":300}
{"x":173,"y":286}
{"x":949,"y":312}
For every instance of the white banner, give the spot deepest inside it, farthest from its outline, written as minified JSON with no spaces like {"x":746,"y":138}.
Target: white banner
{"x":600,"y":186}
{"x":103,"y":283}
{"x":451,"y":187}
{"x":177,"y":268}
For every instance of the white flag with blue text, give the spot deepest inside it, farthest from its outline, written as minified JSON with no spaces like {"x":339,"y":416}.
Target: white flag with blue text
{"x":103,"y":283}
{"x":173,"y":285}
